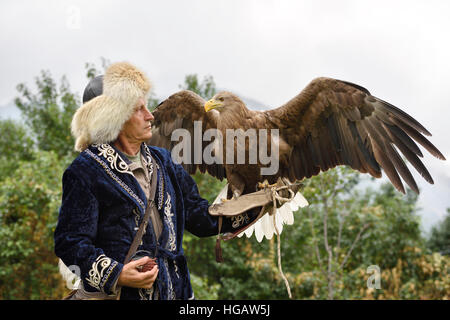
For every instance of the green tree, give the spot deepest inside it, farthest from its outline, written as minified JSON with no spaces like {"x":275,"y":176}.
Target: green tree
{"x":367,"y":228}
{"x":33,"y":159}
{"x":48,"y":113}
{"x":206,"y":89}
{"x":439,"y":240}
{"x":15,"y":145}
{"x":29,"y":202}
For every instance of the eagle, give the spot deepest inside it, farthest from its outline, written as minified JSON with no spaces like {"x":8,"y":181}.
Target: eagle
{"x":329,"y":123}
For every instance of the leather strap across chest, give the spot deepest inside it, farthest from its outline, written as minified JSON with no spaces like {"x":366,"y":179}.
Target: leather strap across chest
{"x":143,"y":226}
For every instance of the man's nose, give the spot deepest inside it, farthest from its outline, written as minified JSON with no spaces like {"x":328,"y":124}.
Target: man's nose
{"x":149,"y":116}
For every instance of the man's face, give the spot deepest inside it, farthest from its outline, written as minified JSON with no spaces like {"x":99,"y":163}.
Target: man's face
{"x":138,"y":127}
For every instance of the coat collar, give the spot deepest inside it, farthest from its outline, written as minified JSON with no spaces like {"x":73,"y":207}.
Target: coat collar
{"x":145,"y":153}
{"x":116,"y":165}
{"x":117,"y":160}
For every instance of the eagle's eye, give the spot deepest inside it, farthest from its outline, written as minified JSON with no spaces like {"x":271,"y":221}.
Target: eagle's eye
{"x":220,"y":99}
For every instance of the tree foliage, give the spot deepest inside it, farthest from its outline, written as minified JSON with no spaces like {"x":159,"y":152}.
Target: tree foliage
{"x":48,"y":113}
{"x":29,"y":201}
{"x":15,"y":146}
{"x":440,"y":236}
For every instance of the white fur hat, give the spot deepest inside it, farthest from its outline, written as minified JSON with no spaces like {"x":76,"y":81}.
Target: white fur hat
{"x":101,"y":119}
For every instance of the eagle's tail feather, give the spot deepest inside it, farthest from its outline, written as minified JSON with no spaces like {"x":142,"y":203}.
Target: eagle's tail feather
{"x":284,"y":215}
{"x":72,"y":280}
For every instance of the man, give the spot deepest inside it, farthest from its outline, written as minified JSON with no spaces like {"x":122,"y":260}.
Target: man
{"x":106,"y":190}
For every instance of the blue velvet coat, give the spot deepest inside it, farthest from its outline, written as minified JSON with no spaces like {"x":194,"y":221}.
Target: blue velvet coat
{"x":102,"y":206}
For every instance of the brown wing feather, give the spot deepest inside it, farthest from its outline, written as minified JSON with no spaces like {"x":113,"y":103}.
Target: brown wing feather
{"x":333,"y":122}
{"x":179,"y":111}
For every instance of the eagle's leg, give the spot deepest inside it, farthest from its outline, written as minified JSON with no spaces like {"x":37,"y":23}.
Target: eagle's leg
{"x":237,"y":184}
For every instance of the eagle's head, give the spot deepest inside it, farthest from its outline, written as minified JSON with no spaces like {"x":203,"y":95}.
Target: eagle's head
{"x":225,"y":102}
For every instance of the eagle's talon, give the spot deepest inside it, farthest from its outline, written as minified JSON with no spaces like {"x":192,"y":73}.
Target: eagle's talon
{"x":265,"y":184}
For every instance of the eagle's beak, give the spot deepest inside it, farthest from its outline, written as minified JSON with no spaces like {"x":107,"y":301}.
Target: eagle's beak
{"x":212,"y":104}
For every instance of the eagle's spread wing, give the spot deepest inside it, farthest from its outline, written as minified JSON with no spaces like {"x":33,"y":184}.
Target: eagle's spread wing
{"x":180,"y":111}
{"x":332,"y":122}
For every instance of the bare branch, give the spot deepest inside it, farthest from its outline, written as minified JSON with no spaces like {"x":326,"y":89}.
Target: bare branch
{"x":364,"y":227}
{"x":315,"y":245}
{"x":341,"y":226}
{"x":330,"y":274}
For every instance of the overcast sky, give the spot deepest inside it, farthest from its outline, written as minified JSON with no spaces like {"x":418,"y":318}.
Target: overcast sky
{"x":264,"y":50}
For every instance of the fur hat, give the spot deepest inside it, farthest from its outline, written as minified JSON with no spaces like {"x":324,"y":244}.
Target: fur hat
{"x":101,"y":119}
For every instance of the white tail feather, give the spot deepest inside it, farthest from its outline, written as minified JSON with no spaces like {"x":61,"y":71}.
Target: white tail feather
{"x":258,"y":231}
{"x":284,"y":215}
{"x":264,"y":227}
{"x":249,"y":231}
{"x":278,"y":221}
{"x":267,"y":226}
{"x":287,"y":214}
{"x":292,"y":205}
{"x":71,"y":279}
{"x":300,"y":200}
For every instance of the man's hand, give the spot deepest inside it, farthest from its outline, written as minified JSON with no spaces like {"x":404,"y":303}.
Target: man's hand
{"x":131,"y":277}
